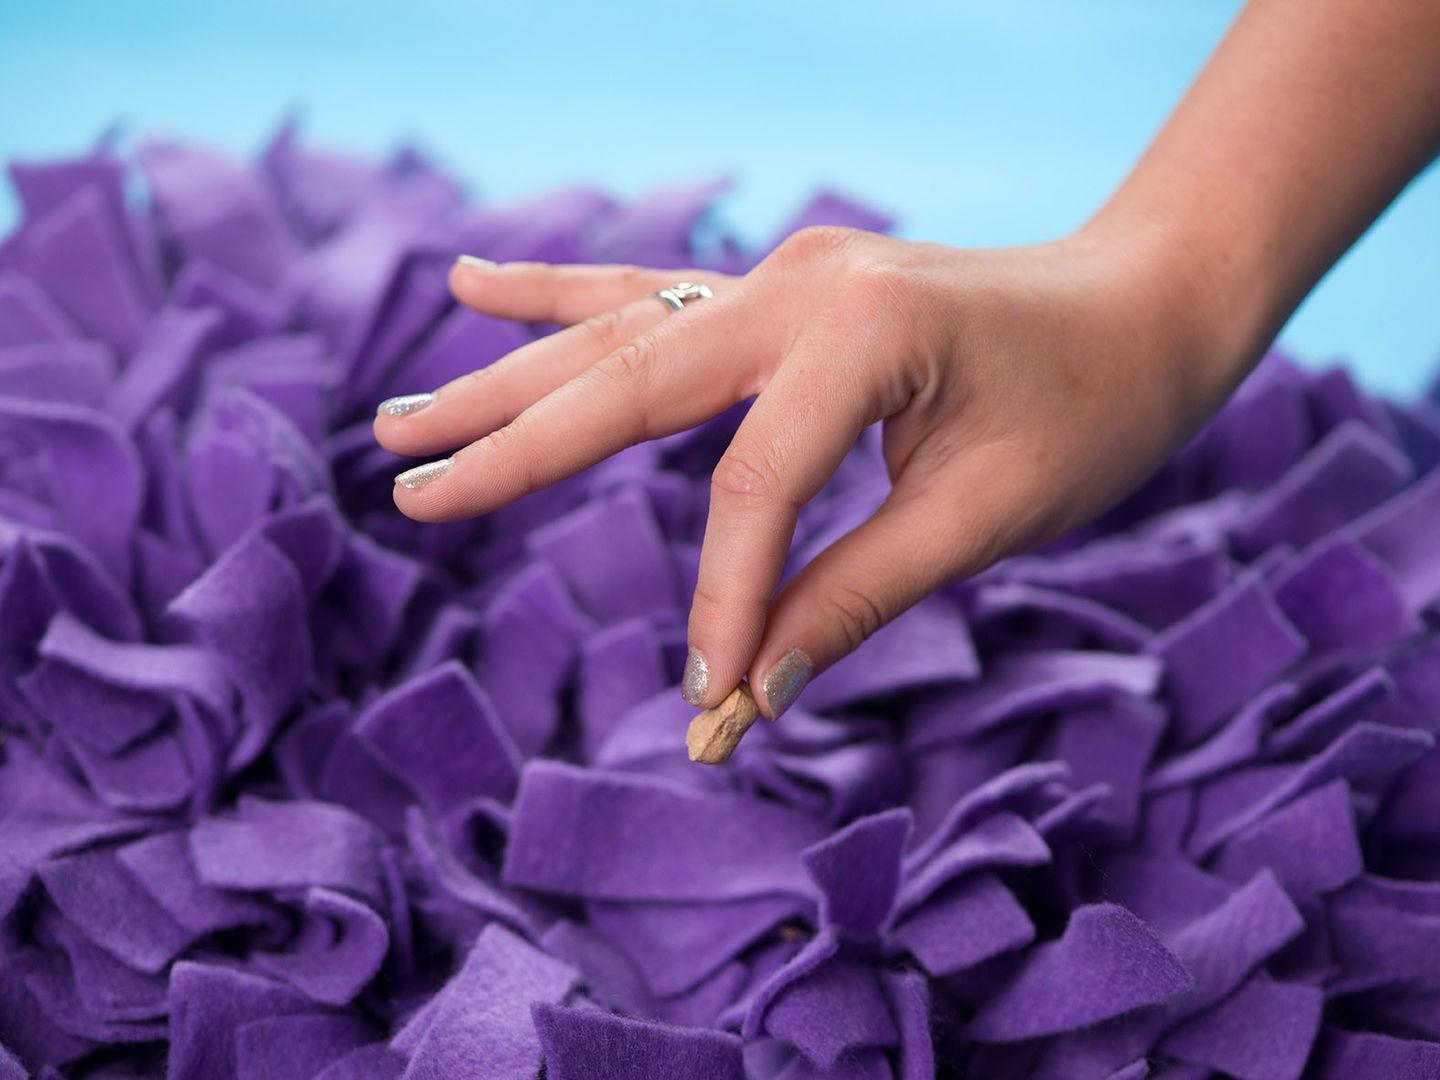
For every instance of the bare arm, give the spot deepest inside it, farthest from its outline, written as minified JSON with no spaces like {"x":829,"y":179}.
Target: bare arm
{"x":1305,"y":124}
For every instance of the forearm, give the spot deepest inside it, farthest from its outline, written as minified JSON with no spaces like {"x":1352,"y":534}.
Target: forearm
{"x":1308,"y":120}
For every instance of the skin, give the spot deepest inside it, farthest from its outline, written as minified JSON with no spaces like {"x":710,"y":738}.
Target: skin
{"x":1022,"y":391}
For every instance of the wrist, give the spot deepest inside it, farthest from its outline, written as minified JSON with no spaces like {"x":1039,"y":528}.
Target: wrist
{"x":1208,"y":317}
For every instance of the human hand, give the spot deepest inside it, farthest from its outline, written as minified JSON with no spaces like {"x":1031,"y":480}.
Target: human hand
{"x":1022,"y":391}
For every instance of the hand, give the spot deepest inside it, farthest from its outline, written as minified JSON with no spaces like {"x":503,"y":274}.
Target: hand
{"x":1022,"y":391}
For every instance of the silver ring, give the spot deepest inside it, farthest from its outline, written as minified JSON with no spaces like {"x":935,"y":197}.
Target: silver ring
{"x":677,"y":295}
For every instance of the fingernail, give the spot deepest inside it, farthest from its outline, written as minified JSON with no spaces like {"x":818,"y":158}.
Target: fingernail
{"x":785,"y":680}
{"x":476,"y":263}
{"x":695,"y":682}
{"x":423,"y":474}
{"x":405,"y":404}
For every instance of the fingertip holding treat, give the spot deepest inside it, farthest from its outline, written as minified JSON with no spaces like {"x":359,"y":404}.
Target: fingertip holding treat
{"x":785,"y":679}
{"x":421,"y":475}
{"x":695,"y":681}
{"x":405,"y":404}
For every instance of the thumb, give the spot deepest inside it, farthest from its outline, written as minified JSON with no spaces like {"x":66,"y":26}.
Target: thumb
{"x":914,"y":543}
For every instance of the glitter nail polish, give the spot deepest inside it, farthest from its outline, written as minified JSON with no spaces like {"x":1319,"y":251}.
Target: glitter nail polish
{"x":785,"y":680}
{"x":405,"y":404}
{"x":695,"y":682}
{"x":423,"y":474}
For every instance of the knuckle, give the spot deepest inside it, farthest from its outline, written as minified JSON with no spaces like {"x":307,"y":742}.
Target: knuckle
{"x":631,"y":363}
{"x":706,"y":603}
{"x":512,"y":443}
{"x":854,"y":612}
{"x":604,"y":327}
{"x":744,"y":479}
{"x":478,"y":379}
{"x":635,"y":278}
{"x":814,"y":243}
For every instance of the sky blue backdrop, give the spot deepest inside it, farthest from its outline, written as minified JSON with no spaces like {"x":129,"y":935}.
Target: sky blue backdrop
{"x":977,"y":124}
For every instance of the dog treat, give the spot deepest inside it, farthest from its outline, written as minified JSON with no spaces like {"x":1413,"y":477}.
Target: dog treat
{"x":714,"y":733}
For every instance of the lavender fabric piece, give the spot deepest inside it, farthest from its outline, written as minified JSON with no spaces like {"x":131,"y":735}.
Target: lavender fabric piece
{"x":1031,"y":683}
{"x":243,"y":311}
{"x":1367,"y":755}
{"x":1154,"y":584}
{"x":1072,"y":982}
{"x":208,"y":1007}
{"x":1012,"y":788}
{"x":574,"y":829}
{"x":676,"y":946}
{"x":10,"y":1067}
{"x":1342,"y":598}
{"x":295,"y":1047}
{"x":1363,"y":697}
{"x":1264,"y":1031}
{"x":832,"y":1012}
{"x":1401,"y":534}
{"x":585,"y":1044}
{"x":151,"y":669}
{"x":28,"y":315}
{"x":619,"y":667}
{"x":1239,"y":740}
{"x":249,"y":611}
{"x":910,"y":1005}
{"x":86,"y":713}
{"x":858,"y":872}
{"x":1356,"y":1055}
{"x":1223,"y":653}
{"x":1385,"y":936}
{"x":92,"y":472}
{"x":80,"y":372}
{"x":162,"y":866}
{"x":337,"y":950}
{"x":485,"y":1010}
{"x":1012,"y":609}
{"x":441,"y":735}
{"x":1266,"y":431}
{"x":1350,"y":471}
{"x":973,"y":920}
{"x":374,"y":1062}
{"x":835,"y":783}
{"x":1310,"y":845}
{"x":529,"y":642}
{"x":78,"y":254}
{"x":212,"y":209}
{"x":1222,"y":947}
{"x":1112,"y":744}
{"x":1001,"y":840}
{"x":163,"y":368}
{"x":107,"y":989}
{"x":926,"y":645}
{"x":96,"y":894}
{"x":291,"y":845}
{"x":611,"y":555}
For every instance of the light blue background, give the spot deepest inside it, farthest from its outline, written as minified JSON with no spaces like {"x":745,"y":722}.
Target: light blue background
{"x":977,"y":124}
